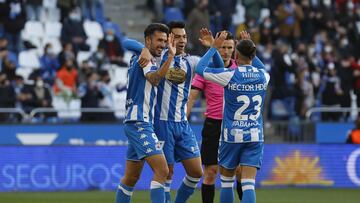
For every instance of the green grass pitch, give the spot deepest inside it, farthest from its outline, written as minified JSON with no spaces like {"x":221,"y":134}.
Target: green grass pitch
{"x":288,"y":195}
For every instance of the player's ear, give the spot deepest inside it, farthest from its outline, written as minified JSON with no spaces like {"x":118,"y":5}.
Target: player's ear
{"x":148,"y":40}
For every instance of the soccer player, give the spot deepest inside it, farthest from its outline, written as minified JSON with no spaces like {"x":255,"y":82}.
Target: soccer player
{"x":170,"y":121}
{"x":140,"y":100}
{"x":242,"y":135}
{"x":214,"y":113}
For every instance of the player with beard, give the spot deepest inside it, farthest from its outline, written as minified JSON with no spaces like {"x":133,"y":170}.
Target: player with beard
{"x":140,"y":101}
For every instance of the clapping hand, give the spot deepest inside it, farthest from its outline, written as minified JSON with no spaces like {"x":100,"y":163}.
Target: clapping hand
{"x":244,"y":35}
{"x":171,"y":44}
{"x":206,"y":37}
{"x":219,"y":40}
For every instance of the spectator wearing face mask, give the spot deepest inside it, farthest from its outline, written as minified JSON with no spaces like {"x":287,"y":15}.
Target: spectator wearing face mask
{"x":9,"y":68}
{"x":113,"y":49}
{"x":66,"y":80}
{"x":73,"y":31}
{"x":84,"y":68}
{"x":99,"y":58}
{"x":7,"y":98}
{"x":49,"y":64}
{"x":67,"y":51}
{"x":107,"y":90}
{"x":5,"y":53}
{"x":65,"y":7}
{"x":14,"y":23}
{"x":331,"y":92}
{"x":91,"y":96}
{"x":37,"y":96}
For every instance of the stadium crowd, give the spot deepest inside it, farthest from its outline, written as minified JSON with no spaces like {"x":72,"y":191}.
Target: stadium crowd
{"x":47,"y":51}
{"x":310,"y":47}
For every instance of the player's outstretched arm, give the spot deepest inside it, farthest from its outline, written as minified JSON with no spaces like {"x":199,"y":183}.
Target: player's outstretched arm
{"x":155,"y":77}
{"x":133,"y":45}
{"x":207,"y":39}
{"x":257,"y":63}
{"x":204,"y":61}
{"x":221,"y":76}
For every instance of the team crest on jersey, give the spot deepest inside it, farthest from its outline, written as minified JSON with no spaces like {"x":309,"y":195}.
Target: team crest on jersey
{"x":176,"y":75}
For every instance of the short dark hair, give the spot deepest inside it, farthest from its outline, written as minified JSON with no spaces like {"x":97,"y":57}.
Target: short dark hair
{"x":176,"y":24}
{"x":153,"y":27}
{"x":247,"y":48}
{"x":229,"y":36}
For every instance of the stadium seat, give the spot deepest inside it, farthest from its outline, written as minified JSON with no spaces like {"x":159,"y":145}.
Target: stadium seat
{"x":33,"y":29}
{"x":93,"y":30}
{"x":67,"y":111}
{"x":83,"y":55}
{"x":50,"y":15}
{"x":53,"y":29}
{"x":118,"y":76}
{"x":119,"y":101}
{"x":49,"y":3}
{"x":93,"y":43}
{"x":29,"y":59}
{"x":24,"y":72}
{"x":173,"y":14}
{"x":127,"y":57}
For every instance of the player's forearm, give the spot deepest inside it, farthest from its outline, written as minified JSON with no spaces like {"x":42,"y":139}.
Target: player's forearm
{"x":192,"y":98}
{"x":133,"y":45}
{"x":217,"y":60}
{"x":204,"y":61}
{"x":257,"y":63}
{"x":155,"y":77}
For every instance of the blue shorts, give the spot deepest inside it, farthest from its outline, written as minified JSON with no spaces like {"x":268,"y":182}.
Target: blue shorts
{"x":142,"y":141}
{"x":179,"y":140}
{"x":232,"y":155}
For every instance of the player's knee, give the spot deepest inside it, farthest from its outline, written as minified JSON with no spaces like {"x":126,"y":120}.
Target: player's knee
{"x":210,"y":173}
{"x":198,"y":173}
{"x":162,"y":172}
{"x":131,"y":180}
{"x":209,"y":180}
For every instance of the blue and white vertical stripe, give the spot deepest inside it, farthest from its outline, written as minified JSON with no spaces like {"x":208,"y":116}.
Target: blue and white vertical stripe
{"x":171,"y":97}
{"x":141,"y":94}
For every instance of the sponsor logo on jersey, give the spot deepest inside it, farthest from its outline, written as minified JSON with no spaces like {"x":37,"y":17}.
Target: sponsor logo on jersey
{"x":176,"y":75}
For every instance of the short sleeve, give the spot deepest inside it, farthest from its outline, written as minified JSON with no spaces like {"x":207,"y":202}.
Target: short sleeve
{"x":193,"y":60}
{"x":151,"y":67}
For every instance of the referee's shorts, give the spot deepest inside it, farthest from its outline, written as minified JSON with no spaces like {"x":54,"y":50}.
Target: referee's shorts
{"x":210,"y":141}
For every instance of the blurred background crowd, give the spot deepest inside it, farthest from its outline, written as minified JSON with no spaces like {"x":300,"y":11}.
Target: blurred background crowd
{"x":68,"y":54}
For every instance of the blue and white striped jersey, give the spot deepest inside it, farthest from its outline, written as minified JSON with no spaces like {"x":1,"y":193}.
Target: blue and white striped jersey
{"x":173,"y":91}
{"x":141,"y":94}
{"x":244,"y":97}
